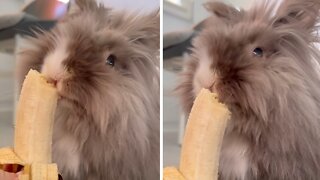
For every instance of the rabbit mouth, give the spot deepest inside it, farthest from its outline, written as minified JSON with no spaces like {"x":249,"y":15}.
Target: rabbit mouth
{"x":224,"y":92}
{"x":224,"y":96}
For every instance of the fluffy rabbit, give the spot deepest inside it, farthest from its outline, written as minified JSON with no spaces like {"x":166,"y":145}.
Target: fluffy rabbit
{"x":105,"y":65}
{"x":264,"y":65}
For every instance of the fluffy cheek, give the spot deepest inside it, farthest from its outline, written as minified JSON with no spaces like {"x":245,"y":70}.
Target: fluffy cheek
{"x":204,"y":76}
{"x":66,"y":89}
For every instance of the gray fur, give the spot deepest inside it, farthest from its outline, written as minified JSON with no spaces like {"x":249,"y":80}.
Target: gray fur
{"x":107,"y":120}
{"x":274,"y":133}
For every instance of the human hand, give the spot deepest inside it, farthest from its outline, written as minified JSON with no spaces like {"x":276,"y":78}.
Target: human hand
{"x":8,"y":176}
{"x":10,"y":171}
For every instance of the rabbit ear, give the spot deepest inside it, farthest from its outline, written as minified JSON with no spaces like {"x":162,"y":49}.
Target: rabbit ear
{"x":298,"y":14}
{"x":145,"y":30}
{"x":90,"y":6}
{"x":222,"y":10}
{"x":87,"y":4}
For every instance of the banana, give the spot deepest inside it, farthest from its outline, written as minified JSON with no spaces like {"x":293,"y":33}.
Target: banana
{"x":202,"y":141}
{"x":35,"y":117}
{"x":172,"y":173}
{"x":33,"y":130}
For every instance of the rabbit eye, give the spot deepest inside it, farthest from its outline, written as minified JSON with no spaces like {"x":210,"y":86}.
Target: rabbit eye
{"x":258,"y":52}
{"x":111,"y":60}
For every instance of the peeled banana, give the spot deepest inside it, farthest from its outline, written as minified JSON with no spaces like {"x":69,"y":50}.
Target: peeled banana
{"x":172,"y":173}
{"x":201,"y":146}
{"x":35,"y":117}
{"x":33,"y":131}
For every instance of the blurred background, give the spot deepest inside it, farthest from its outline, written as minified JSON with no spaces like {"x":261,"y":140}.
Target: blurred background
{"x":17,"y":17}
{"x":181,"y":20}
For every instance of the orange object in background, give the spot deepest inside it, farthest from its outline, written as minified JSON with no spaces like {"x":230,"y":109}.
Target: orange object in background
{"x":48,"y":9}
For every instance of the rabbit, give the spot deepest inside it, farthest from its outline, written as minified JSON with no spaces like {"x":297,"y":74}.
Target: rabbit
{"x":105,"y":66}
{"x":263,"y":64}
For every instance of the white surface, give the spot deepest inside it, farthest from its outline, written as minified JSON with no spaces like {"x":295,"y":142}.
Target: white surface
{"x":64,"y":1}
{"x":170,"y":101}
{"x":10,"y":6}
{"x":7,"y":62}
{"x":171,"y":151}
{"x":173,"y":23}
{"x":241,"y":3}
{"x":178,"y":2}
{"x":171,"y":116}
{"x":136,"y":5}
{"x":13,"y":6}
{"x":183,"y":8}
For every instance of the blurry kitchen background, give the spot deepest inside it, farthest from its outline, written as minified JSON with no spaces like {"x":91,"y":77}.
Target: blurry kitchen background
{"x":180,"y":18}
{"x":16,"y":17}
